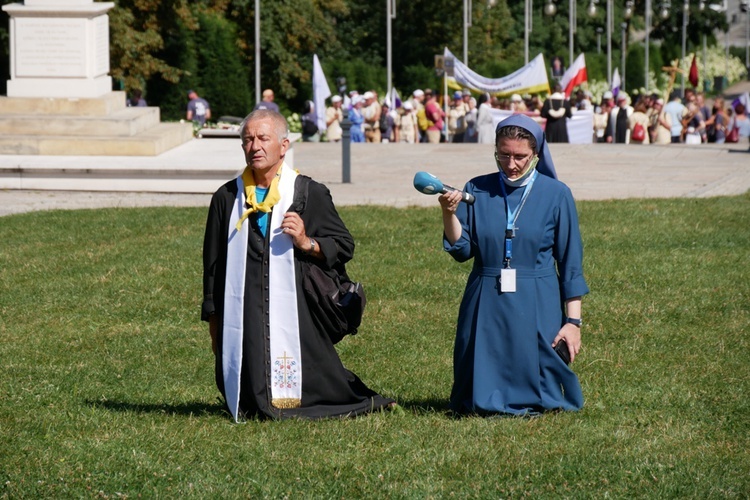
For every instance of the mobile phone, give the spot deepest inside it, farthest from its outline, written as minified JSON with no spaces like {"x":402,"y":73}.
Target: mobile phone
{"x":562,"y":350}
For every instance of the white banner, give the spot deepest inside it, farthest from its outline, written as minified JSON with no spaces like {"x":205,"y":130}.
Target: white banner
{"x":530,"y":79}
{"x":580,"y":126}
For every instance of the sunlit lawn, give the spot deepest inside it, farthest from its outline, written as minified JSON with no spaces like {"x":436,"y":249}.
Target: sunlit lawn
{"x":107,"y":382}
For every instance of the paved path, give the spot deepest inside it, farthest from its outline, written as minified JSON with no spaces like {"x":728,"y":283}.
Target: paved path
{"x":383,"y":173}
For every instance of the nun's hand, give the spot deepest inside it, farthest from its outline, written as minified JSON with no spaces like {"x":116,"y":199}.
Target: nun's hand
{"x":449,"y":201}
{"x":572,"y":335}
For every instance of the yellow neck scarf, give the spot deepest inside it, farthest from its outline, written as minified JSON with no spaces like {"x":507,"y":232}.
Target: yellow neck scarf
{"x":271,"y":199}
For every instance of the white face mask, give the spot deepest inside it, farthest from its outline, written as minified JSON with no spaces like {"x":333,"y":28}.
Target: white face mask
{"x":523,"y":178}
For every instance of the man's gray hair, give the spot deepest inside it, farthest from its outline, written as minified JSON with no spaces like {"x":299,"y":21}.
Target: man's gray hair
{"x":280,"y":126}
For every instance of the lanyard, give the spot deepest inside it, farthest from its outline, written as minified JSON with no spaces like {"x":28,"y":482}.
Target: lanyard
{"x":512,"y":215}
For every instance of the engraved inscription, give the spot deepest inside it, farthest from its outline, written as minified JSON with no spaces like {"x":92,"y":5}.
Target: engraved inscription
{"x":50,"y":47}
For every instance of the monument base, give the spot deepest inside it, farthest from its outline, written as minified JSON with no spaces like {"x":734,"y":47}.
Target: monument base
{"x":102,"y":126}
{"x":59,"y":48}
{"x":61,"y":87}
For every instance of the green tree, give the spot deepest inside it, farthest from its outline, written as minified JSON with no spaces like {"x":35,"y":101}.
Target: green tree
{"x":179,"y":49}
{"x":291,"y":32}
{"x":221,"y":72}
{"x":137,"y":40}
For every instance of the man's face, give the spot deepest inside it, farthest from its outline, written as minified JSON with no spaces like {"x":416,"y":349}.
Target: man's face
{"x":260,"y":142}
{"x":268,"y":96}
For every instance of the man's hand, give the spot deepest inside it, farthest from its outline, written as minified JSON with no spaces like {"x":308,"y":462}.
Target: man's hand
{"x":294,"y":226}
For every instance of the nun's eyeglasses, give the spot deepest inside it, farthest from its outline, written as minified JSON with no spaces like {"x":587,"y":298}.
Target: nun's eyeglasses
{"x":518,"y":160}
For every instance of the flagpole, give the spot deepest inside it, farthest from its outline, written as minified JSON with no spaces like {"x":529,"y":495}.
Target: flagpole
{"x":609,"y":42}
{"x":624,"y":26}
{"x":572,"y":21}
{"x":467,"y":23}
{"x":445,"y":104}
{"x":685,"y":13}
{"x":390,"y":9}
{"x":648,"y":30}
{"x":527,"y":29}
{"x":257,"y":51}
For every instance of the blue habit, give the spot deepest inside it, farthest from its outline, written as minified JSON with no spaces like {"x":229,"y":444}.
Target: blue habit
{"x":503,"y":358}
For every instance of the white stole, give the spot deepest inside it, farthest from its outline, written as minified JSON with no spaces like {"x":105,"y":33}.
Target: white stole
{"x":285,"y":356}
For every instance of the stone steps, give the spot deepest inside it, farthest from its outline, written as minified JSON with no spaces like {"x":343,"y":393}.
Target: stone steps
{"x":126,"y":122}
{"x":99,"y":106}
{"x":102,"y":126}
{"x":150,"y":142}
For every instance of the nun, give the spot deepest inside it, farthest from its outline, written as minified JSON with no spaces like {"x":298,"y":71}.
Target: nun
{"x":520,"y":318}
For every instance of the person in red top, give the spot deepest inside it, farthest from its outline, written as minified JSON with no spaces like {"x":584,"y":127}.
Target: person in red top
{"x":436,"y":115}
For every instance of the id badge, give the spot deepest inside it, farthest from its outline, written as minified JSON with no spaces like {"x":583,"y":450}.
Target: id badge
{"x":507,"y":280}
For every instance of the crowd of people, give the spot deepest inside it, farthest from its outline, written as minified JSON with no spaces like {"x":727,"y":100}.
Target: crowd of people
{"x":418,"y":119}
{"x":616,"y":117}
{"x":687,"y":119}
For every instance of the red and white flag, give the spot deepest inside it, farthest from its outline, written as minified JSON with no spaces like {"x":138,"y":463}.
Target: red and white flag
{"x":574,"y":76}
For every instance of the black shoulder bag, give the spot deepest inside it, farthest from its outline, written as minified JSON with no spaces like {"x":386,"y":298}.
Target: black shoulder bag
{"x":336,"y":302}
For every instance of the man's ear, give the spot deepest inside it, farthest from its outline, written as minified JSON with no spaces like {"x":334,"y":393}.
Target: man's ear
{"x":285,"y":146}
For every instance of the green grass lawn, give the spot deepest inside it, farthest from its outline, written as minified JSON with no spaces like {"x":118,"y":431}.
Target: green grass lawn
{"x":107,"y":383}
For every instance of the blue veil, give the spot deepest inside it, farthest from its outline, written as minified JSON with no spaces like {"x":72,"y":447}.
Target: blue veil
{"x":545,"y":165}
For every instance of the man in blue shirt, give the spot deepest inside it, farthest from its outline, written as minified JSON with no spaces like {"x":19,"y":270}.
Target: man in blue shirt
{"x":676,"y":111}
{"x":267,"y":101}
{"x":198,"y":109}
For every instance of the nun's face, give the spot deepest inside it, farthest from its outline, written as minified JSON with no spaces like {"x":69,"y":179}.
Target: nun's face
{"x":513,"y":156}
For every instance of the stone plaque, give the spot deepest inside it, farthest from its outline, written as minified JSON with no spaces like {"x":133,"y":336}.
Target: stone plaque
{"x":51,"y":47}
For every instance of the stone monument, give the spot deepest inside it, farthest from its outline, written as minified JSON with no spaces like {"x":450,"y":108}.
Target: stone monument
{"x":60,"y":99}
{"x":59,"y":48}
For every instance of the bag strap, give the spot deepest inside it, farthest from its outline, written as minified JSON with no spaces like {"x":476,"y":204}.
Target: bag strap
{"x":299,"y":204}
{"x":301,"y":188}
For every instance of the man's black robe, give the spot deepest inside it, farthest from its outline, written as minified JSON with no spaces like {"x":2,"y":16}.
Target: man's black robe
{"x":328,"y":389}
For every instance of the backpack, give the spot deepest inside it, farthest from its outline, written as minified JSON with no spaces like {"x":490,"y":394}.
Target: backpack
{"x":383,"y":123}
{"x":734,"y":133}
{"x":336,"y":302}
{"x":639,"y":133}
{"x":309,"y":127}
{"x":422,"y":121}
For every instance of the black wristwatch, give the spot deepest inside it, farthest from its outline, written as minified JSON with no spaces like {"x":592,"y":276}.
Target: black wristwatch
{"x":574,"y":321}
